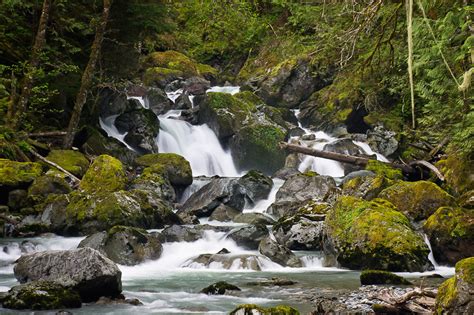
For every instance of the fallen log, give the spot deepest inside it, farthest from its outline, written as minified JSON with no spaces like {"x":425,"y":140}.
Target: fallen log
{"x":357,"y":160}
{"x":47,"y":134}
{"x":37,"y":155}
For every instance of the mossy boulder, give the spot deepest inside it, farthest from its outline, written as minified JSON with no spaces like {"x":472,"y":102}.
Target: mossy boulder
{"x":159,"y":76}
{"x":253,"y":309}
{"x":53,"y":182}
{"x":41,"y":295}
{"x":72,"y":161}
{"x":383,"y":169}
{"x":106,"y":174}
{"x":172,"y":166}
{"x":257,"y":185}
{"x":365,"y":187}
{"x":219,"y":288}
{"x":364,"y":234}
{"x":451,"y":234}
{"x":417,"y":200}
{"x":457,"y":170}
{"x":455,"y":295}
{"x":155,"y":184}
{"x":369,"y":277}
{"x":125,"y":245}
{"x":17,"y":174}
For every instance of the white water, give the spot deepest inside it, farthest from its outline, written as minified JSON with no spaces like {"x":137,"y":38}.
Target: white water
{"x":262,"y":205}
{"x":108,"y":125}
{"x":225,"y":89}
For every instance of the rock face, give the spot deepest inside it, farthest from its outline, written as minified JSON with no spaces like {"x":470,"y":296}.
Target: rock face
{"x":299,"y":189}
{"x":417,"y":200}
{"x":142,"y":127}
{"x":106,"y":174}
{"x":249,"y":236}
{"x":125,"y":245}
{"x":72,"y":161}
{"x":455,"y":295}
{"x":451,"y":234}
{"x":278,"y":253}
{"x":300,"y":232}
{"x":84,"y":270}
{"x":41,"y":295}
{"x":373,"y":235}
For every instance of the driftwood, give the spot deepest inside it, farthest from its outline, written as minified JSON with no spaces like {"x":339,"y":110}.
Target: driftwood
{"x":357,"y":160}
{"x":73,"y":178}
{"x":417,"y":301}
{"x":47,"y":134}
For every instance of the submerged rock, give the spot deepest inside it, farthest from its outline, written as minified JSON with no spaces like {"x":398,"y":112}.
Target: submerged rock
{"x":278,"y":253}
{"x":373,"y":235}
{"x":368,"y":277}
{"x":41,"y":295}
{"x":451,"y":234}
{"x":219,"y":288}
{"x":249,"y":236}
{"x":125,"y":245}
{"x":455,"y":295}
{"x":84,"y":270}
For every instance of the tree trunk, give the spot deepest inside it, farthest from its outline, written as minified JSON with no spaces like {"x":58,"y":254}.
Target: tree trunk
{"x":87,"y":76}
{"x":16,"y":109}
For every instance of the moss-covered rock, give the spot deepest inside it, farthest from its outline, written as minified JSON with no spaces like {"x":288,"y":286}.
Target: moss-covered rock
{"x":72,"y":161}
{"x":172,"y":166}
{"x":369,"y":277}
{"x":17,"y":174}
{"x":458,"y":172}
{"x":384,"y":169}
{"x":159,"y":76}
{"x":219,"y":288}
{"x":154,"y":183}
{"x":365,"y":187}
{"x":106,"y":174}
{"x":247,"y":309}
{"x":373,"y":235}
{"x":451,"y":234}
{"x":455,"y":295}
{"x":52,"y":182}
{"x":41,"y":295}
{"x":417,"y":200}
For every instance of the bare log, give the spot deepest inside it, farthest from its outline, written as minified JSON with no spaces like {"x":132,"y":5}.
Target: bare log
{"x":429,"y":166}
{"x":36,"y":154}
{"x":47,"y":134}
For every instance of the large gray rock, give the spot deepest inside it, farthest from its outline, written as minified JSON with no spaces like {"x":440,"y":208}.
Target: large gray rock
{"x":300,"y":232}
{"x":158,"y":101}
{"x":299,"y":189}
{"x":183,"y":233}
{"x":278,"y":253}
{"x":224,"y":213}
{"x":382,"y":140}
{"x":125,"y":245}
{"x":226,"y":261}
{"x":112,"y":102}
{"x":85,"y":270}
{"x":257,"y":185}
{"x":249,"y":236}
{"x":254,"y":218}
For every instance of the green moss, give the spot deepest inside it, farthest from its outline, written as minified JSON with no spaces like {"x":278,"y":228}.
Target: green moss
{"x":106,"y":174}
{"x":72,"y":161}
{"x":160,"y":76}
{"x":50,"y":183}
{"x":369,"y":277}
{"x":457,"y":170}
{"x":276,"y":310}
{"x":310,"y":174}
{"x":263,"y":138}
{"x":374,"y":235}
{"x":16,"y":174}
{"x":172,"y":166}
{"x":206,"y":70}
{"x":451,"y":221}
{"x":418,"y":200}
{"x":384,"y":169}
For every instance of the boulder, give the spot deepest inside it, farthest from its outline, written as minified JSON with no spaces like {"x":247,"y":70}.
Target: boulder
{"x":370,"y":277}
{"x":112,"y":102}
{"x":417,"y":200}
{"x":41,"y":295}
{"x":219,"y":191}
{"x":172,"y":166}
{"x":457,"y":170}
{"x":14,"y":175}
{"x":224,"y":213}
{"x":257,"y":185}
{"x":17,"y":199}
{"x":365,"y":187}
{"x":181,"y":233}
{"x":157,"y":101}
{"x":373,"y":235}
{"x":196,"y":85}
{"x":451,"y":234}
{"x":384,"y":169}
{"x":106,"y":174}
{"x":253,"y":309}
{"x":142,"y":127}
{"x":125,"y":245}
{"x":219,"y":288}
{"x":52,"y":182}
{"x":300,"y":232}
{"x":249,"y":236}
{"x":155,"y":184}
{"x":278,"y":253}
{"x":84,"y":270}
{"x":299,"y":189}
{"x":455,"y":295}
{"x":253,"y":218}
{"x":382,"y":140}
{"x":225,"y":261}
{"x":72,"y":161}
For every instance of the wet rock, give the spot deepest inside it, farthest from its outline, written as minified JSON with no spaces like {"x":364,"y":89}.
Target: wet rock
{"x":84,"y":270}
{"x":254,"y":219}
{"x":183,"y":102}
{"x":451,"y":234}
{"x":104,"y":300}
{"x":299,"y":189}
{"x":455,"y":295}
{"x":196,"y":85}
{"x":368,"y":277}
{"x":279,"y":282}
{"x":224,"y":213}
{"x":219,"y":288}
{"x":417,"y":200}
{"x":158,"y":101}
{"x":286,"y":172}
{"x":249,"y":236}
{"x":125,"y":245}
{"x":112,"y":102}
{"x":219,"y":191}
{"x":278,"y":253}
{"x":41,"y":295}
{"x":382,"y":140}
{"x":300,"y":232}
{"x":257,"y":185}
{"x":225,"y":261}
{"x":181,"y":233}
{"x":373,"y":235}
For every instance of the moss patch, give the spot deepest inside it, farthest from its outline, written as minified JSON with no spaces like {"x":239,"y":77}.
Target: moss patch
{"x":276,"y":310}
{"x":458,"y":172}
{"x":172,"y":166}
{"x":72,"y":161}
{"x":106,"y":174}
{"x":17,"y":174}
{"x":384,"y":169}
{"x":369,"y":277}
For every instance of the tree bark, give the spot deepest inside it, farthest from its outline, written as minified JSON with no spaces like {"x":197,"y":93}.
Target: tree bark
{"x":15,"y":110}
{"x":87,"y":76}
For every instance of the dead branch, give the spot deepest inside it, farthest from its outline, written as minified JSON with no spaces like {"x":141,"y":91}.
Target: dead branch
{"x":429,"y":166}
{"x":47,"y":134}
{"x":73,"y":178}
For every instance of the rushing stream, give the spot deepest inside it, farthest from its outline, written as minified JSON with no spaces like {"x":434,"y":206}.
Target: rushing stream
{"x":171,"y":283}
